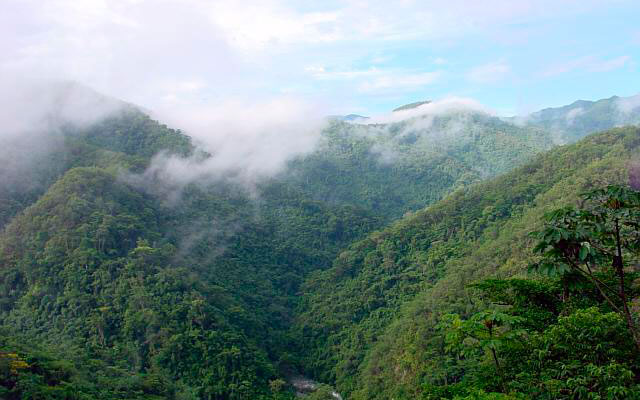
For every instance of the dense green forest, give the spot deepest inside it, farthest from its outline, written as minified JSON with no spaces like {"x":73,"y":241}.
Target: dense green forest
{"x":393,"y":168}
{"x":72,"y":260}
{"x":571,"y":122}
{"x":111,"y":290}
{"x":373,"y":322}
{"x":126,"y":140}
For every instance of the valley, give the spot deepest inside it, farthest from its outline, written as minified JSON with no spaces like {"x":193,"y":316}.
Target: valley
{"x":119,"y":282}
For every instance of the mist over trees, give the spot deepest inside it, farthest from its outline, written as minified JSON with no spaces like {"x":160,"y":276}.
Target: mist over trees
{"x":384,"y":258}
{"x":337,"y":200}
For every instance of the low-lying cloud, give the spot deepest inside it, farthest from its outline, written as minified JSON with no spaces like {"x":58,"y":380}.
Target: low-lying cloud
{"x":627,"y":105}
{"x":573,"y":114}
{"x":422,"y":127}
{"x":30,"y":106}
{"x":434,"y":108}
{"x":33,"y":114}
{"x":238,"y":142}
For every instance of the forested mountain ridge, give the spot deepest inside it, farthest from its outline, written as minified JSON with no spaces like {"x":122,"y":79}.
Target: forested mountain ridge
{"x":187,"y":300}
{"x":98,"y":265}
{"x":81,"y":270}
{"x":110,"y":289}
{"x":573,"y":121}
{"x":385,"y":167}
{"x":369,"y":322}
{"x":392,"y":168}
{"x":133,"y":137}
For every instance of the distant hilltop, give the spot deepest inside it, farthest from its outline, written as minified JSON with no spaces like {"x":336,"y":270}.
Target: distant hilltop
{"x":349,"y":117}
{"x":411,"y":105}
{"x":361,"y":118}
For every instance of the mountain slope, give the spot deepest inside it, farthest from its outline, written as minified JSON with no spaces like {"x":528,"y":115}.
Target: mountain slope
{"x":366,"y":323}
{"x":194,"y":294}
{"x":393,"y":168}
{"x":411,"y":105}
{"x":86,"y":266}
{"x":191,"y":293}
{"x":125,"y":139}
{"x":95,"y":263}
{"x":574,"y":121}
{"x":429,"y":149}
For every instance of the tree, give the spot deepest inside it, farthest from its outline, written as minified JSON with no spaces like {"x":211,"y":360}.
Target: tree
{"x":634,"y":175}
{"x":598,"y":241}
{"x":321,"y":392}
{"x":489,"y":330}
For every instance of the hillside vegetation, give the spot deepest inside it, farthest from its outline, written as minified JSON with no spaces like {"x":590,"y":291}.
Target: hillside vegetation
{"x":571,"y":122}
{"x":393,"y":168}
{"x":194,"y":296}
{"x":118,"y":284}
{"x":124,"y":140}
{"x":369,"y":323}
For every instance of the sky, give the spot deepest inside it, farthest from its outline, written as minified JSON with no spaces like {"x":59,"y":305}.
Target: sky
{"x":340,"y":57}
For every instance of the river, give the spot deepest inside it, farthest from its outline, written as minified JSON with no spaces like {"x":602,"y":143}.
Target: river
{"x":304,"y":385}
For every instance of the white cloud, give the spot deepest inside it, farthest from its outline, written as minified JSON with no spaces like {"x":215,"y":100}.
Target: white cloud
{"x":315,"y":70}
{"x":489,"y":73}
{"x":380,"y":59}
{"x":376,"y":80}
{"x":573,"y":114}
{"x":247,"y":141}
{"x":256,"y":25}
{"x":609,"y":65}
{"x":322,"y":73}
{"x":439,"y":61}
{"x":130,"y":49}
{"x":438,"y":107}
{"x":628,"y":104}
{"x":400,"y":82}
{"x":40,"y":106}
{"x":587,"y":63}
{"x":160,"y":52}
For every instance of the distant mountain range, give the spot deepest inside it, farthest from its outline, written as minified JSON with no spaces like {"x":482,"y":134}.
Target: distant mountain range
{"x":370,"y":322}
{"x":411,"y":105}
{"x":571,"y":122}
{"x":349,"y":118}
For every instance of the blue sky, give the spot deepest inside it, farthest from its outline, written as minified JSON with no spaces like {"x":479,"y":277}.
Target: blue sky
{"x":341,"y":56}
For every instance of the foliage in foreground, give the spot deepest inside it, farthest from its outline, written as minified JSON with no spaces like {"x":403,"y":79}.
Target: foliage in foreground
{"x":369,"y":323}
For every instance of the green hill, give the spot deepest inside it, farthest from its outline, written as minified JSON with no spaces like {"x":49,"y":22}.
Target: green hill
{"x":411,"y":105}
{"x":125,"y":139}
{"x":574,"y":121}
{"x":368,"y":322}
{"x":110,"y":291}
{"x":105,"y":276}
{"x":393,"y":168}
{"x":402,"y":166}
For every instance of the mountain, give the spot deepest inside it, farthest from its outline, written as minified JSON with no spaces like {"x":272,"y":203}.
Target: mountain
{"x":368,"y":323}
{"x":416,"y":159}
{"x":118,"y":283}
{"x":72,"y":126}
{"x":574,"y":121}
{"x":411,"y":105}
{"x":402,"y":166}
{"x":350,"y":118}
{"x":111,"y":290}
